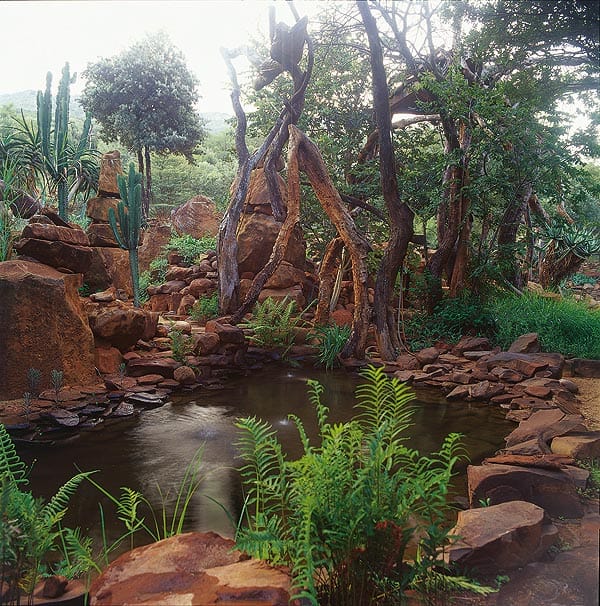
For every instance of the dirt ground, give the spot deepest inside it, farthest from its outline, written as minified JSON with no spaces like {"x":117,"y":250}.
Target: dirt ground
{"x":589,"y":394}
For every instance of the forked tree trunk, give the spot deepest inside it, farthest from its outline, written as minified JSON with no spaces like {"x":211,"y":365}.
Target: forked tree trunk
{"x":327,"y":277}
{"x":310,"y":161}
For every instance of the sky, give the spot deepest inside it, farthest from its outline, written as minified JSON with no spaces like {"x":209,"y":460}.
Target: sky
{"x":43,"y":35}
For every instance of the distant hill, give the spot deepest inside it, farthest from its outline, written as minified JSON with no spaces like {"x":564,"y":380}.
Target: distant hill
{"x":26,"y":100}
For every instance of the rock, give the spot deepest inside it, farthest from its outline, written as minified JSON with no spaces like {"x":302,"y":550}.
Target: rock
{"x":585,"y":368}
{"x":285,"y":275}
{"x":526,"y":344}
{"x":101,"y":234}
{"x":156,"y":237}
{"x":427,"y":356}
{"x":110,"y":167}
{"x":184,"y":274}
{"x":120,"y":326}
{"x":190,"y":569}
{"x":543,"y":461}
{"x":147,"y":400}
{"x":109,"y":267}
{"x":124,"y":409}
{"x":54,"y":586}
{"x":205,"y":343}
{"x":107,"y":359}
{"x":484,"y":390}
{"x":290,"y":294}
{"x":25,"y":205}
{"x":407,"y":362}
{"x":43,"y":325}
{"x":256,"y":236}
{"x":578,"y":445}
{"x":569,"y":385}
{"x":463,"y":378}
{"x":150,"y":379}
{"x":97,"y":208}
{"x":341,"y":317}
{"x":460,"y":392}
{"x":146,"y":366}
{"x":553,"y":490}
{"x":63,"y":418}
{"x":184,"y":375}
{"x":476,"y":355}
{"x":226,"y":332}
{"x":185,"y":305}
{"x":507,"y":375}
{"x":60,"y":255}
{"x":405,"y":376}
{"x":55,"y":233}
{"x":545,"y":425}
{"x":538,"y":391}
{"x":527,"y":364}
{"x":198,"y":217}
{"x":501,"y":537}
{"x":202,"y":286}
{"x":471,"y":344}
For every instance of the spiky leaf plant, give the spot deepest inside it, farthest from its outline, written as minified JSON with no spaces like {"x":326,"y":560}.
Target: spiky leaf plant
{"x":342,"y":514}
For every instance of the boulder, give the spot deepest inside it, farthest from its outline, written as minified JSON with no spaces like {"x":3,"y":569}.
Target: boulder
{"x":581,"y":367}
{"x":110,"y":167}
{"x":285,"y":275}
{"x":97,"y":208}
{"x":226,"y":332}
{"x":202,"y":286}
{"x":55,"y":233}
{"x":43,"y":325}
{"x":501,"y":537}
{"x":147,"y":366}
{"x":545,"y":425}
{"x":198,"y":217}
{"x":428,"y":355}
{"x":101,"y":234}
{"x":184,"y":375}
{"x":107,"y":359}
{"x":527,"y":364}
{"x":156,"y":237}
{"x":578,"y":445}
{"x":471,"y":344}
{"x":291,"y":294}
{"x":108,"y":267}
{"x":526,"y":344}
{"x":554,"y":491}
{"x":257,"y":234}
{"x":484,"y":390}
{"x":119,"y":325}
{"x":258,"y":189}
{"x":408,"y":362}
{"x":190,"y":569}
{"x":205,"y":343}
{"x":61,"y":255}
{"x":341,"y":317}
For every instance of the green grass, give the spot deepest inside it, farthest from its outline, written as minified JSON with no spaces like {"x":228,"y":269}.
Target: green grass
{"x":563,"y":325}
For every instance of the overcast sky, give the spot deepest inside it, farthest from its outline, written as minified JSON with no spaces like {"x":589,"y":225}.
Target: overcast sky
{"x":38,"y":37}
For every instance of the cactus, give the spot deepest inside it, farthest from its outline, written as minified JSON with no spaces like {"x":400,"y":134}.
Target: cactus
{"x":126,"y":226}
{"x":58,"y":155}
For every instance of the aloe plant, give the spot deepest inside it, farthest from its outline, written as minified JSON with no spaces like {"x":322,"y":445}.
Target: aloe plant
{"x":126,"y":223}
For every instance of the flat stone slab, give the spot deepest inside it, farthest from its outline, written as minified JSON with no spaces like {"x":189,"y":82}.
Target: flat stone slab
{"x":578,"y":445}
{"x":500,"y":537}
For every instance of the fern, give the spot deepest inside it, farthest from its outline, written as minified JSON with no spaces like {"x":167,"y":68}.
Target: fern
{"x":56,"y":508}
{"x":12,"y":469}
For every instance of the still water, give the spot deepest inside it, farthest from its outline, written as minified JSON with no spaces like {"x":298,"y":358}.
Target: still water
{"x":155,"y":448}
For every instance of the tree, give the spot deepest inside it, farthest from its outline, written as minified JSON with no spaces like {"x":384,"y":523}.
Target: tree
{"x":144,"y":97}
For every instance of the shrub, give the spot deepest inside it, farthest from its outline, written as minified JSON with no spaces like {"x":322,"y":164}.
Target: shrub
{"x":191,"y":248}
{"x":181,"y":345}
{"x":330,"y":342}
{"x":273,"y":324}
{"x":156,"y":274}
{"x":563,"y":325}
{"x":205,"y":308}
{"x":342,"y":514}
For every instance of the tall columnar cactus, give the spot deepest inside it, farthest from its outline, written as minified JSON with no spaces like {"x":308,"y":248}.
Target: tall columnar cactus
{"x":126,"y":226}
{"x":59,"y":157}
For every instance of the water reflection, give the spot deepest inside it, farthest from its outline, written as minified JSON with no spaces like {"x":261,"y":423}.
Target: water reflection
{"x":155,"y":448}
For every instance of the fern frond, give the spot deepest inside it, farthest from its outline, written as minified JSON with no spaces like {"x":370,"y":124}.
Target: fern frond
{"x":57,"y":505}
{"x":11,"y":466}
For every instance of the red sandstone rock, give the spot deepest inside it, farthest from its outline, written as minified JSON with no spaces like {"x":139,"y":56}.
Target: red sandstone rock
{"x":109,"y":267}
{"x":107,"y":359}
{"x":290,"y":294}
{"x":545,"y":425}
{"x":501,"y":537}
{"x":61,"y":255}
{"x":110,"y":167}
{"x":198,"y":217}
{"x":121,"y":326}
{"x":285,"y":275}
{"x":484,"y":390}
{"x":152,"y":379}
{"x":471,"y":344}
{"x":585,"y":368}
{"x":528,"y":364}
{"x":184,"y":375}
{"x":407,"y":362}
{"x":202,"y":286}
{"x":226,"y":332}
{"x":53,"y":232}
{"x":145,"y":366}
{"x":552,"y":490}
{"x":194,"y":569}
{"x":342,"y":317}
{"x":526,"y":344}
{"x":428,"y":355}
{"x":578,"y":445}
{"x":42,"y":325}
{"x":101,"y":234}
{"x":97,"y":208}
{"x":206,"y":343}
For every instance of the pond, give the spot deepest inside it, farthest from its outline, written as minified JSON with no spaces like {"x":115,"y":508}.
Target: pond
{"x":156,"y":447}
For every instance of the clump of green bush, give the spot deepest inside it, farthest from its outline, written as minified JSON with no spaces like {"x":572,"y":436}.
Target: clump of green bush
{"x":191,"y":248}
{"x":205,"y":308}
{"x":563,"y":325}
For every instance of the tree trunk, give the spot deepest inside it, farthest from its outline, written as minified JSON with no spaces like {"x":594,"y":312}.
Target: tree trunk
{"x":327,"y":278}
{"x":311,"y":163}
{"x":401,"y":216}
{"x":142,"y":170}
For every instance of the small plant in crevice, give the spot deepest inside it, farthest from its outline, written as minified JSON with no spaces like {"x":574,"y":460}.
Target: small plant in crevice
{"x":273,"y":324}
{"x":27,"y":405}
{"x":330,"y":341}
{"x":205,"y":308}
{"x":182,"y":345}
{"x":56,"y":378}
{"x":34,"y":377}
{"x":31,"y":529}
{"x":341,"y":516}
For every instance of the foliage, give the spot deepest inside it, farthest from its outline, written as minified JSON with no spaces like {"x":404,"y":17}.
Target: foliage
{"x":273,"y":324}
{"x":166,"y":522}
{"x":330,"y":341}
{"x":342,"y":514}
{"x":31,"y":529}
{"x":127,"y":229}
{"x":563,"y":325}
{"x":181,"y":345}
{"x":154,"y":276}
{"x":205,"y":308}
{"x":581,"y":279}
{"x":7,"y":232}
{"x":191,"y":248}
{"x":593,"y":484}
{"x":450,"y":320}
